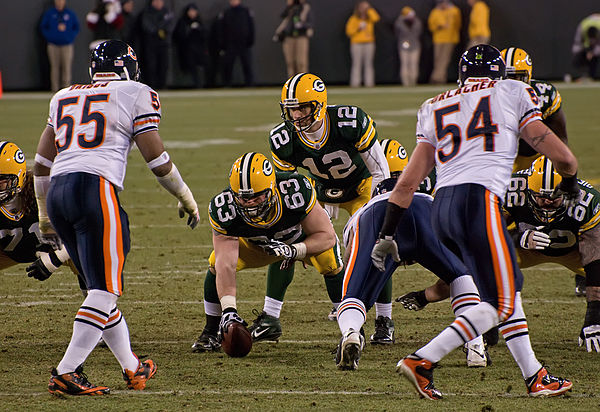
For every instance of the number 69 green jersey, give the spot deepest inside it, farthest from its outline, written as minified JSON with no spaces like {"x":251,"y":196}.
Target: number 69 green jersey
{"x":334,"y":162}
{"x":295,"y":199}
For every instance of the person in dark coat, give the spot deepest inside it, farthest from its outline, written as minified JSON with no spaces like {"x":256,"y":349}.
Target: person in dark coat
{"x":236,"y":38}
{"x":156,"y":25}
{"x":190,"y":39}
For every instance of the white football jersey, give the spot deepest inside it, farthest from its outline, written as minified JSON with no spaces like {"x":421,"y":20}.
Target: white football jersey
{"x":475,"y":130}
{"x":95,"y":125}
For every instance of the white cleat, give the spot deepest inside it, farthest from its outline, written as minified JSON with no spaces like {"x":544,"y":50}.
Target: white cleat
{"x":477,"y":356}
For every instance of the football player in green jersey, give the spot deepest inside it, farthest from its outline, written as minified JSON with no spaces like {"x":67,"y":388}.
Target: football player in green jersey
{"x":545,"y":231}
{"x":262,"y":219}
{"x":519,"y":66}
{"x":336,"y":145}
{"x":19,"y":232}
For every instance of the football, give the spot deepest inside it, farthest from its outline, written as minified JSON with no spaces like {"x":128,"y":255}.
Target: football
{"x":237,"y":341}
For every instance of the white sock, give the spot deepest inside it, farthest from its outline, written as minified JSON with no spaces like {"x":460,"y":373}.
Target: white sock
{"x":471,"y":323}
{"x":383,"y":309}
{"x":89,"y":323}
{"x":351,"y":315}
{"x":272,"y":307}
{"x":516,"y":334}
{"x":116,"y":336}
{"x":212,"y":309}
{"x":464,"y":294}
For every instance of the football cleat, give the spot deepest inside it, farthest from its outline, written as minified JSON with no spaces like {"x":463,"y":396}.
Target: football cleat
{"x":207,"y":342}
{"x":579,"y":285}
{"x":74,"y":383}
{"x":332,"y":316}
{"x":419,"y":372}
{"x":265,"y":327}
{"x":543,"y":384}
{"x":384,"y":331}
{"x":477,"y":354}
{"x":349,"y":350}
{"x":137,"y":380}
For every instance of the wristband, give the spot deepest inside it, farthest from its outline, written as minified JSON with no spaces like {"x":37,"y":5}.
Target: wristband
{"x":227,"y":302}
{"x":300,"y":250}
{"x":43,"y":161}
{"x":173,"y":182}
{"x":62,"y":254}
{"x":159,"y":161}
{"x":393,"y":214}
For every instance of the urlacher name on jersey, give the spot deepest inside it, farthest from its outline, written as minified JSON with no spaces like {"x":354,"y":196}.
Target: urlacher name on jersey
{"x":296,"y":197}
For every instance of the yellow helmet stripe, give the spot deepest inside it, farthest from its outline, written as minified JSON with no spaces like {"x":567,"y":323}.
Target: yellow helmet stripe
{"x":291,"y":91}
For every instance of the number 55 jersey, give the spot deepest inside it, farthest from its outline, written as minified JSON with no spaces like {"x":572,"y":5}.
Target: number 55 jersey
{"x":95,"y":125}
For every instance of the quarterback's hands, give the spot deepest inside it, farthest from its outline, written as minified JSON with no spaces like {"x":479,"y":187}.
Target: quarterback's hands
{"x":533,"y":239}
{"x":43,"y":266}
{"x":413,"y":300}
{"x":591,"y":336}
{"x":48,"y":233}
{"x":228,"y":316}
{"x":569,"y":189}
{"x":383,"y":247}
{"x":192,"y":212}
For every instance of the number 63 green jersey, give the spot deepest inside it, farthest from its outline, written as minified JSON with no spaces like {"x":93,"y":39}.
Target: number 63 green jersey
{"x":334,"y":161}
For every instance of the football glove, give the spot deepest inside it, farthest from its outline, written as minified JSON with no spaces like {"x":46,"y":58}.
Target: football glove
{"x":591,"y":336}
{"x":413,"y":300}
{"x":569,"y":189}
{"x":48,"y":233}
{"x":534,"y":240}
{"x":193,"y":214}
{"x":383,"y":247}
{"x":228,"y":316}
{"x":43,"y":266}
{"x":277,"y":248}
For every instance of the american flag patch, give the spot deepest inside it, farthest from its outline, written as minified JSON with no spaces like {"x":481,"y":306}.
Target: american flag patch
{"x":494,"y":67}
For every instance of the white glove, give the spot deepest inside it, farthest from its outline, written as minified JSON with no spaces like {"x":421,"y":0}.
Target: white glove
{"x":533,"y":239}
{"x":383,"y":247}
{"x":228,"y":316}
{"x":193,"y":214}
{"x":591,"y":336}
{"x":288,"y":252}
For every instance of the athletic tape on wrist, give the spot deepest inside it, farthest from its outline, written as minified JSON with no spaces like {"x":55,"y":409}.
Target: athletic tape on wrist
{"x":228,"y":301}
{"x":300,"y":250}
{"x":43,"y":161}
{"x":159,"y":161}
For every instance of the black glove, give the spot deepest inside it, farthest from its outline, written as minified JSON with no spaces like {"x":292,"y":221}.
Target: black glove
{"x":229,"y":315}
{"x":569,"y":189}
{"x":43,"y":266}
{"x":413,"y":300}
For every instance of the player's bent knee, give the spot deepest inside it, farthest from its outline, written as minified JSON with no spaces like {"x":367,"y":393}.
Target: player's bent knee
{"x":333,"y":272}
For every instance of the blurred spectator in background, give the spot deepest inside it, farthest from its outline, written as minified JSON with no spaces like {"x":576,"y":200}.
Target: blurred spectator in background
{"x":294,"y":32}
{"x":60,"y":26}
{"x":130,"y":28}
{"x":156,"y":24}
{"x":236,"y":38}
{"x":408,"y":29}
{"x":444,"y":23}
{"x":360,"y":29}
{"x":479,"y":23}
{"x":105,"y":21}
{"x":214,"y":65}
{"x":190,"y":40}
{"x":586,"y":46}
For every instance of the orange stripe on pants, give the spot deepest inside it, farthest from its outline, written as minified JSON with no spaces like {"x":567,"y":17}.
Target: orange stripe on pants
{"x":107,"y":192}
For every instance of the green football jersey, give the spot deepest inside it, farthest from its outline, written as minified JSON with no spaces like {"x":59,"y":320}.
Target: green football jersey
{"x":334,"y":162}
{"x":550,"y":103}
{"x":295,"y":199}
{"x":20,"y":236}
{"x":565,"y":230}
{"x":428,"y":184}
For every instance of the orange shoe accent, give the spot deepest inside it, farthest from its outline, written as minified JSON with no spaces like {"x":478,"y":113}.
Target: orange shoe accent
{"x":419,"y":372}
{"x":137,"y":380}
{"x":544,"y":384}
{"x":74,"y":383}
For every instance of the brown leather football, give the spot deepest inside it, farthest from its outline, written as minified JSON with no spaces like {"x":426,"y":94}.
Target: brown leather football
{"x":237,"y":341}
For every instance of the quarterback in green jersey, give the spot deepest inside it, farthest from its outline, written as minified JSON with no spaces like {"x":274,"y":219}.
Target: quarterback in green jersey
{"x":262,"y":219}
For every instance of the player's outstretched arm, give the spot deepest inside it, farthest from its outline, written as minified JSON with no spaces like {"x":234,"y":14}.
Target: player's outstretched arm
{"x":158,"y":160}
{"x":226,"y":256}
{"x":320,"y":234}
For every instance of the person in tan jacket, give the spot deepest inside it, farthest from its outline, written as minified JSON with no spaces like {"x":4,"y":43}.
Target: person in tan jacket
{"x":444,"y":23}
{"x":479,"y":23}
{"x":360,"y":29}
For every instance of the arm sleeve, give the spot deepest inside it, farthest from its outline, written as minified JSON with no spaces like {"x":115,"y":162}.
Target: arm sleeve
{"x":376,"y":162}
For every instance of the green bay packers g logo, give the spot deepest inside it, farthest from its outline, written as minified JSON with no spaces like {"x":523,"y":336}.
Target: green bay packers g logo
{"x":267,"y":168}
{"x":19,"y":157}
{"x":402,"y":152}
{"x":318,"y":85}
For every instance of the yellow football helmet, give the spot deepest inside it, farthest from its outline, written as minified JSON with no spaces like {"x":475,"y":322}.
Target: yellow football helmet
{"x":518,"y":64}
{"x":12,"y":171}
{"x":541,"y":183}
{"x":396,"y":156}
{"x":300,"y":90}
{"x":252,"y":176}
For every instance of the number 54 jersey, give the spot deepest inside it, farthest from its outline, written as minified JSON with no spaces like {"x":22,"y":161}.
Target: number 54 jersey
{"x":295,"y":199}
{"x":475,"y":131}
{"x":94,"y":126}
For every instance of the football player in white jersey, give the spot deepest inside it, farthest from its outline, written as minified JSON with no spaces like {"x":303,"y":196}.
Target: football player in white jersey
{"x":79,"y":169}
{"x":470,"y":134}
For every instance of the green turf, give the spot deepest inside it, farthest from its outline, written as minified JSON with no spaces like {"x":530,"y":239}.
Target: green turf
{"x":205,"y":132}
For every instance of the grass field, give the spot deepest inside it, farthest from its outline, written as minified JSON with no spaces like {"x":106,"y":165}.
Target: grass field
{"x":204,"y":132}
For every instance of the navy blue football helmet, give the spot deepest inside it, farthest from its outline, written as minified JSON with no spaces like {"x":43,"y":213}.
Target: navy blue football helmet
{"x":482,"y":60}
{"x":114,"y":60}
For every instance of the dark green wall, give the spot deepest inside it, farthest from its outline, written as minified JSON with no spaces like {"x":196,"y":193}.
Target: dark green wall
{"x":545,"y":28}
